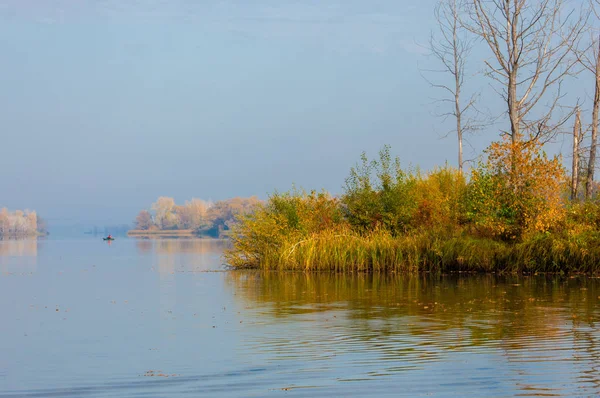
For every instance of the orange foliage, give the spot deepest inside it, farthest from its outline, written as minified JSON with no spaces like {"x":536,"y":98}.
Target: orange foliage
{"x":517,"y":191}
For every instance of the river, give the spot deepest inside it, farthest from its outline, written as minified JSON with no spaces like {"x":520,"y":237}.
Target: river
{"x":156,"y":318}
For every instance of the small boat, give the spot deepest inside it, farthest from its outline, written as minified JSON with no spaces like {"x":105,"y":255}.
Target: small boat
{"x":108,"y":238}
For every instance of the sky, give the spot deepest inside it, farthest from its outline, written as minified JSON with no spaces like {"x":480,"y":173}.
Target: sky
{"x":107,"y":104}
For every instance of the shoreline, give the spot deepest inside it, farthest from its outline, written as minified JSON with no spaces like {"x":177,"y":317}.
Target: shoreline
{"x":159,"y":233}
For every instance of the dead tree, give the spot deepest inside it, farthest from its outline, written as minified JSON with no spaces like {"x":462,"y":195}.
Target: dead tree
{"x":594,"y":137}
{"x":451,"y":47}
{"x":577,"y":138}
{"x":589,"y":58}
{"x":531,"y":43}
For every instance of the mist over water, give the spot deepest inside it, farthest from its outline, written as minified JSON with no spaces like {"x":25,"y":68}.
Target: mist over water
{"x":85,"y":318}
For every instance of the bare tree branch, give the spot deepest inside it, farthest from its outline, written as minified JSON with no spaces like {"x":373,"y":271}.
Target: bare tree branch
{"x":532,"y":44}
{"x":451,"y":48}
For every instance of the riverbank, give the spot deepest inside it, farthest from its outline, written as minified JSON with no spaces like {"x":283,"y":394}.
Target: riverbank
{"x":20,"y":236}
{"x":162,"y":233}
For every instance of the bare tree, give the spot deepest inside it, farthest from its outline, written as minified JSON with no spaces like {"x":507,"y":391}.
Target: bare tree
{"x":451,"y":47}
{"x":589,"y":58}
{"x":594,"y":138}
{"x":577,"y":138}
{"x":531,"y":43}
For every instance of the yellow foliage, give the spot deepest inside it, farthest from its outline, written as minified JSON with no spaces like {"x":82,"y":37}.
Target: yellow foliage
{"x":438,"y":198}
{"x":518,"y":190}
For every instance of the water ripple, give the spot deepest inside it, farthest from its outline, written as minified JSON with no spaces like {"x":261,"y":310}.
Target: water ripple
{"x":107,"y":332}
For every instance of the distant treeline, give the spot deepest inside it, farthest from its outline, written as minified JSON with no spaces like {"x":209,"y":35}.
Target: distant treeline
{"x":20,"y":223}
{"x":119,"y":229}
{"x":203,"y":217}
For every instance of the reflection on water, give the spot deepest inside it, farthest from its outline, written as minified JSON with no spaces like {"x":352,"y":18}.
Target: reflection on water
{"x":94,"y":320}
{"x":25,"y":249}
{"x":19,"y":247}
{"x":538,"y":332}
{"x":182,"y":254}
{"x":170,"y":256}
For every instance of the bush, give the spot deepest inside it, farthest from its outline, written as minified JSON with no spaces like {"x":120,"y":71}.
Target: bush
{"x":380,"y":195}
{"x":517,"y":192}
{"x":257,"y":237}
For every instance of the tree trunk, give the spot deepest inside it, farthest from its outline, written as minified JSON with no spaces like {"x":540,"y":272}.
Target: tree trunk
{"x":592,"y":160}
{"x":513,"y":111}
{"x":460,"y":149}
{"x":575,"y":166}
{"x":513,"y":76}
{"x":457,"y":85}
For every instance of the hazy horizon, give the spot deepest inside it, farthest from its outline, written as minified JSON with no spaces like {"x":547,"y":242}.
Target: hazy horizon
{"x":108,"y":105}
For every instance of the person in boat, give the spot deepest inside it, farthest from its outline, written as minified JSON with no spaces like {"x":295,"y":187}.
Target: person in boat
{"x":109,"y":236}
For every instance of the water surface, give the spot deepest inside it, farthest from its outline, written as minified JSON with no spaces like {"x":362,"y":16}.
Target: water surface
{"x":155,"y":318}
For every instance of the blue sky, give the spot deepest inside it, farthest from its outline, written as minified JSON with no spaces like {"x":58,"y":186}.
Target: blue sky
{"x":107,"y":105}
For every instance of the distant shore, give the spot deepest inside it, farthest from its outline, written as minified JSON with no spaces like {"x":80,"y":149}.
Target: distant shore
{"x":24,"y":236}
{"x":158,"y":233}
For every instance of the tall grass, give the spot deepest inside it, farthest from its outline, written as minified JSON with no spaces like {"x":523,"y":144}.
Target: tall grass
{"x":345,"y":251}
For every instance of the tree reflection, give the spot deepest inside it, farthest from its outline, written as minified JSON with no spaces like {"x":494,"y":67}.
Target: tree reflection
{"x":18,"y":255}
{"x":422,"y":315}
{"x":183,"y":255}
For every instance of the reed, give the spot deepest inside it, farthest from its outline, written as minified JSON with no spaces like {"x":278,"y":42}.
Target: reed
{"x":345,"y":251}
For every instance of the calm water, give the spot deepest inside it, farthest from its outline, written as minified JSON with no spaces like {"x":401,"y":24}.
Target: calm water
{"x":83,"y":318}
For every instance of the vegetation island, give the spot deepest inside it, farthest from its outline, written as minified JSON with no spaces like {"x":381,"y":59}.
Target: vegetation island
{"x":21,"y":224}
{"x":196,"y":217}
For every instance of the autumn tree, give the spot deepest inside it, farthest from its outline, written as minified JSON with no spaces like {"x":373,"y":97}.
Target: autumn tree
{"x":4,"y":222}
{"x":165,"y":216}
{"x":518,"y":190}
{"x":196,"y":215}
{"x":31,"y":222}
{"x":531,"y":43}
{"x":192,"y":215}
{"x":144,"y":221}
{"x":18,"y":223}
{"x":222,"y":214}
